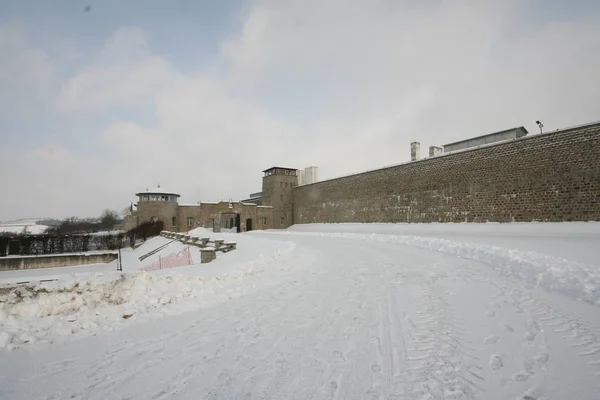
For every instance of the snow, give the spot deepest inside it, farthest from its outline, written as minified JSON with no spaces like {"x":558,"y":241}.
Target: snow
{"x":97,"y":296}
{"x":432,"y":311}
{"x":31,"y":228}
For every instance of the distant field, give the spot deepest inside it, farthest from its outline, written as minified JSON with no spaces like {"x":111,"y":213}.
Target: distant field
{"x":30,"y":225}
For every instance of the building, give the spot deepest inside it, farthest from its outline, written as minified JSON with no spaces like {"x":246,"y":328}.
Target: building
{"x":300,"y":173}
{"x":163,"y":205}
{"x":507,"y":134}
{"x":504,"y":176}
{"x":255,"y":198}
{"x":311,"y":175}
{"x":278,"y":183}
{"x":308,"y":175}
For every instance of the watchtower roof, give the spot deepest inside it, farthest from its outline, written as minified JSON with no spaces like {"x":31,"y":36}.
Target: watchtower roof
{"x":283,"y":168}
{"x":280,"y":171}
{"x":158,"y":191}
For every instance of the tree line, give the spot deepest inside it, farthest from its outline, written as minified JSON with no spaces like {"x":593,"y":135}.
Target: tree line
{"x":107,"y":221}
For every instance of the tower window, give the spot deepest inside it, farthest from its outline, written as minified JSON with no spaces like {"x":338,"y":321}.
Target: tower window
{"x":174,"y":220}
{"x":190,"y":221}
{"x":265,"y":221}
{"x":281,"y":221}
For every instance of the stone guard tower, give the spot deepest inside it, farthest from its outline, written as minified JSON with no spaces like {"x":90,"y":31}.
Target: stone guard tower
{"x":277,"y":192}
{"x":158,"y":205}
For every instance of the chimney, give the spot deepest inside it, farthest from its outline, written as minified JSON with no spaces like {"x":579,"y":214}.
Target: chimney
{"x":435,"y":151}
{"x":415,"y":148}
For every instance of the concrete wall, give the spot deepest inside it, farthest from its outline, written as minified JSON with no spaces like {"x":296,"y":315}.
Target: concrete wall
{"x":53,"y":261}
{"x":549,"y":177}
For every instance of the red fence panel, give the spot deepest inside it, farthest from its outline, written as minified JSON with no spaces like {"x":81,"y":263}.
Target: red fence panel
{"x":173,"y":260}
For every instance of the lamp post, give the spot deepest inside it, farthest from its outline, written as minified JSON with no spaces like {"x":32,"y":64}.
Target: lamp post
{"x":539,"y":123}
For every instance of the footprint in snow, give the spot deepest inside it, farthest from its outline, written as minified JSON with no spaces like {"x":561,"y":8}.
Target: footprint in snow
{"x":521,"y":376}
{"x":491,"y":340}
{"x":496,"y":362}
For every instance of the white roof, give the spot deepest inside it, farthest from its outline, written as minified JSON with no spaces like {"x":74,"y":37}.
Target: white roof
{"x":157,"y":190}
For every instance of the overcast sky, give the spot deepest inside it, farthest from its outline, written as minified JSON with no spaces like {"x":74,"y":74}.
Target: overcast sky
{"x":201,"y":96}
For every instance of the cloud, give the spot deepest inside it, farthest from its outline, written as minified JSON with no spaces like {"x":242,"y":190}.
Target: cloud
{"x":486,"y":68}
{"x":27,"y":73}
{"x":345,"y":85}
{"x":124,"y":74}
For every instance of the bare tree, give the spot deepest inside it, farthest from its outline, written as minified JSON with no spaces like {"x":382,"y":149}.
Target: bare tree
{"x":108,"y":219}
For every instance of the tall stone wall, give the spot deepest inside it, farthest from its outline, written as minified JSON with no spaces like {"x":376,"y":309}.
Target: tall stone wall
{"x":549,"y":177}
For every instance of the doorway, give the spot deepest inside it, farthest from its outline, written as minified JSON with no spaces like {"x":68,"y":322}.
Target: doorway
{"x":248,"y":225}
{"x":230,"y":220}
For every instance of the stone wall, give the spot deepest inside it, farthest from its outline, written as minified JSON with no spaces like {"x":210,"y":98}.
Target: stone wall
{"x":54,"y":261}
{"x":277,"y":192}
{"x":205,"y":215}
{"x":549,"y":177}
{"x":162,"y":210}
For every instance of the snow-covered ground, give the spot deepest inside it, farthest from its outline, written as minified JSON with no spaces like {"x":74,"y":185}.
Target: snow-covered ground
{"x":29,"y":227}
{"x":345,"y":311}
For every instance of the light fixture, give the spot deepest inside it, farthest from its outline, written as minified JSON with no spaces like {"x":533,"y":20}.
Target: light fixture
{"x":539,"y":123}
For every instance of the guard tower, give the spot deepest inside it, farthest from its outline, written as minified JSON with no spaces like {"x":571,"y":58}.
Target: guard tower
{"x":277,"y":192}
{"x":158,"y":205}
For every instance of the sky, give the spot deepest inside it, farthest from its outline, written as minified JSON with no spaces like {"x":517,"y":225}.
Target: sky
{"x":102,"y":99}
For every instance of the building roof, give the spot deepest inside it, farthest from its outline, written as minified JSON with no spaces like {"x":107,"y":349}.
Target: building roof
{"x":288,"y":169}
{"x":158,"y":190}
{"x":518,"y":128}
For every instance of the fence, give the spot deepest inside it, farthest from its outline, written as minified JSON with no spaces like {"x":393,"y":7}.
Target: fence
{"x":173,"y":260}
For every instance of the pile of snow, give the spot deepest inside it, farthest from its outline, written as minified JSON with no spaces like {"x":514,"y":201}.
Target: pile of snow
{"x":85,"y":304}
{"x":572,"y":278}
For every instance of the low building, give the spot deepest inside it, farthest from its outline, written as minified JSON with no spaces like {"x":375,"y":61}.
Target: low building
{"x":507,"y":134}
{"x":255,"y":198}
{"x":162,"y":205}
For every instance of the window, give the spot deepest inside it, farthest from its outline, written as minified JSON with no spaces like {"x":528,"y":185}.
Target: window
{"x":281,"y":221}
{"x":190,"y":221}
{"x":174,"y":220}
{"x":265,"y":221}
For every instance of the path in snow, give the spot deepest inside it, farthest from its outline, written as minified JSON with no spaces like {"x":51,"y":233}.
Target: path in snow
{"x":345,"y":319}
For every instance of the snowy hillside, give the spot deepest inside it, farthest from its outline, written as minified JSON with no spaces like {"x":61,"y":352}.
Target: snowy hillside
{"x":342,"y":311}
{"x":22,"y":226}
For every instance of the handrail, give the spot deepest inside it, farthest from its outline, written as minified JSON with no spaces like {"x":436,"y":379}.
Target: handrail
{"x":143,"y":257}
